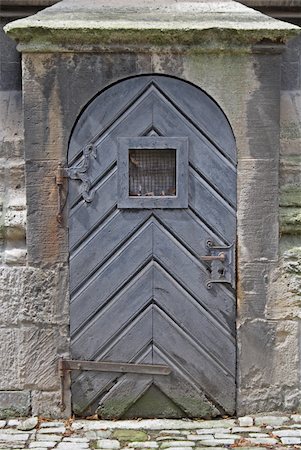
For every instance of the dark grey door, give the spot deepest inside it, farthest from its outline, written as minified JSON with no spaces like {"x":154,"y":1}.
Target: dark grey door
{"x":152,"y":226}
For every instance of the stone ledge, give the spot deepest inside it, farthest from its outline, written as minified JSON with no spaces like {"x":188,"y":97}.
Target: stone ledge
{"x":209,"y":25}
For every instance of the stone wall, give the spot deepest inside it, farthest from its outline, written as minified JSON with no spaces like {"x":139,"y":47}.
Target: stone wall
{"x":34,"y":296}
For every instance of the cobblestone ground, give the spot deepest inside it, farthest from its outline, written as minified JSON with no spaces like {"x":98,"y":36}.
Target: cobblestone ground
{"x":260,"y":432}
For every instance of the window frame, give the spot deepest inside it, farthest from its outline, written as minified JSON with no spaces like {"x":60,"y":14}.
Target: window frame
{"x":180,"y":145}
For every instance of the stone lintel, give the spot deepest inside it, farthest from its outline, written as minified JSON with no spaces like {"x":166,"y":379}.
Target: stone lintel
{"x":212,"y":25}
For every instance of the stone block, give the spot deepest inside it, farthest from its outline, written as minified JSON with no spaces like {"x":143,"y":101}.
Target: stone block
{"x":10,"y":340}
{"x":284,"y":291}
{"x":46,"y":238}
{"x":14,"y":147}
{"x":257,"y":215}
{"x":14,"y":403}
{"x":271,"y":420}
{"x":32,"y":295}
{"x":11,"y":130}
{"x":290,"y":169}
{"x":48,"y":343}
{"x":264,"y":108}
{"x":47,"y":404}
{"x":290,"y":121}
{"x":246,"y":421}
{"x":15,"y":256}
{"x":41,"y":185}
{"x":290,"y":76}
{"x":268,"y":366}
{"x":252,"y":289}
{"x":15,"y":224}
{"x":290,"y":220}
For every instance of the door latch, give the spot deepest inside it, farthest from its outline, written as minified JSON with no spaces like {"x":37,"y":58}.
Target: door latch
{"x":222,"y":264}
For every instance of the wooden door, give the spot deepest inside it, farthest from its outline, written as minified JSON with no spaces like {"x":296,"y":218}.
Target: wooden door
{"x":141,"y":290}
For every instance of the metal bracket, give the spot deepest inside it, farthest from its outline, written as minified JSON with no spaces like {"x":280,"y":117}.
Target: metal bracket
{"x":222,"y":264}
{"x":79,"y":173}
{"x":75,"y":173}
{"x":67,"y":365}
{"x":61,"y":201}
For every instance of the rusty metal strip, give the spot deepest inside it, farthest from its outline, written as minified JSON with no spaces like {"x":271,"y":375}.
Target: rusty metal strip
{"x":104,"y":366}
{"x":67,"y":365}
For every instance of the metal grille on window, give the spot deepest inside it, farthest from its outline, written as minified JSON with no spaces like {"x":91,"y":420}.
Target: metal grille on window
{"x":152,"y":172}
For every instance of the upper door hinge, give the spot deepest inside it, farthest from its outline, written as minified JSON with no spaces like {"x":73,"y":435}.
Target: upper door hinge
{"x":76,"y":172}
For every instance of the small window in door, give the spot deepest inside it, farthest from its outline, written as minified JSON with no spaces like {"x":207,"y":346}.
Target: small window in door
{"x":152,"y":172}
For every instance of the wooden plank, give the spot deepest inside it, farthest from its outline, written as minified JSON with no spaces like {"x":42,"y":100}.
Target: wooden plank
{"x":85,"y":216}
{"x":189,"y":272}
{"x":211,"y":208}
{"x":202,"y":154}
{"x":189,"y":228}
{"x":127,"y":346}
{"x":217,"y":384}
{"x":179,"y":388}
{"x":113,"y":275}
{"x":202,"y":110}
{"x":198,"y":323}
{"x":103,"y":241}
{"x":132,"y":300}
{"x":133,"y":122}
{"x":126,"y":391}
{"x":104,"y":110}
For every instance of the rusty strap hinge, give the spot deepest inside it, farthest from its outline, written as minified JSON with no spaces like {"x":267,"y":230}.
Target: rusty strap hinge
{"x":60,"y":176}
{"x":67,"y":365}
{"x":76,"y":172}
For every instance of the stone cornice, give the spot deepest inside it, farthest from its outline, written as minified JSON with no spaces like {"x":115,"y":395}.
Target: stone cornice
{"x":215,"y":25}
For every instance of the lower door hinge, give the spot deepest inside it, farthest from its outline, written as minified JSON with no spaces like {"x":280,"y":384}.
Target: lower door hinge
{"x":67,"y":365}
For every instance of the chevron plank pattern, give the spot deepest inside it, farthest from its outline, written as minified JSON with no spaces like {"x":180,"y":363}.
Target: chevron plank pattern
{"x":138,"y":286}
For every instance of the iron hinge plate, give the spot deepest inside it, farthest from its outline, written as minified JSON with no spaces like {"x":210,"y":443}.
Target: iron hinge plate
{"x":67,"y":365}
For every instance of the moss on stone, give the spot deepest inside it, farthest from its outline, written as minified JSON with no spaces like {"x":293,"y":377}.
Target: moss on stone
{"x":290,"y":195}
{"x":130,"y":435}
{"x":290,"y":220}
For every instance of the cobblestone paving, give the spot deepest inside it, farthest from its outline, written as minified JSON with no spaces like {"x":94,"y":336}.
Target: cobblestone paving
{"x":260,"y":432}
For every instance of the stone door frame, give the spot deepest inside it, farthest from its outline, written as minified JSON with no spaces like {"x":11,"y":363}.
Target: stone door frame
{"x":246,"y":86}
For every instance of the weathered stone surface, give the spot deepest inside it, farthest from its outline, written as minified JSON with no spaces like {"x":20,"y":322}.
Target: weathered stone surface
{"x":246,"y":421}
{"x":253,"y":289}
{"x":257,"y":210}
{"x":291,"y":440}
{"x":108,"y":444}
{"x":271,"y":420}
{"x":129,"y":435}
{"x":284,"y":292}
{"x":48,"y":343}
{"x":263,"y":389}
{"x":33,"y":295}
{"x":290,"y":220}
{"x":284,"y":433}
{"x":147,"y":444}
{"x":14,"y":403}
{"x":10,"y":341}
{"x":28,"y":424}
{"x":170,"y":444}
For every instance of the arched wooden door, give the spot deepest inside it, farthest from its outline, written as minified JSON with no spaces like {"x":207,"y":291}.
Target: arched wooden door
{"x":152,"y":227}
